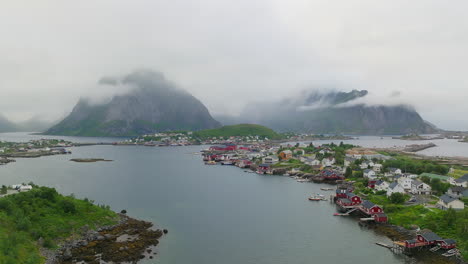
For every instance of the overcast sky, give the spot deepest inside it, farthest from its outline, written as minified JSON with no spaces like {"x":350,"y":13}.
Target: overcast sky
{"x":229,"y":52}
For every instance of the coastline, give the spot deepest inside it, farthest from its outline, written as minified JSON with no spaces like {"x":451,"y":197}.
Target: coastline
{"x":130,"y":240}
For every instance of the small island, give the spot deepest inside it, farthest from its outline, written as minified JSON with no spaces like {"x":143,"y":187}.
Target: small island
{"x":90,"y":160}
{"x":42,"y":225}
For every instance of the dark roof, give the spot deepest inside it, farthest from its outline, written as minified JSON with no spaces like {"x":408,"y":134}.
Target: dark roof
{"x":411,"y":241}
{"x":344,"y":200}
{"x":463,"y":178}
{"x":457,"y":189}
{"x":368,"y":204}
{"x":449,"y":241}
{"x":367,"y":170}
{"x":465,"y":193}
{"x":350,"y":194}
{"x":264,"y":165}
{"x":380,"y":215}
{"x":431,"y":236}
{"x":416,"y":182}
{"x":447,"y":198}
{"x":393,"y":185}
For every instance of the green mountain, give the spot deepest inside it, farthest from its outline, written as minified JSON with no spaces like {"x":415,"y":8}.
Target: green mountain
{"x":153,"y":104}
{"x":239,"y":130}
{"x":333,"y":112}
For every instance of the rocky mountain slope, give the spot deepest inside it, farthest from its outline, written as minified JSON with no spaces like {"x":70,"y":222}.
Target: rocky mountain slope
{"x":334,"y":112}
{"x":152,"y":104}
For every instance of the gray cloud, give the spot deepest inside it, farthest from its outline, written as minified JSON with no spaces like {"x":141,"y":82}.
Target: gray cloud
{"x":229,"y":52}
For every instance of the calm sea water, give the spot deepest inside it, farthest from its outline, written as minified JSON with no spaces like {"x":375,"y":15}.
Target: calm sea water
{"x":215,"y":214}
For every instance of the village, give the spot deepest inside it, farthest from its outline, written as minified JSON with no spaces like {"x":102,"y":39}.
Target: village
{"x":32,"y":149}
{"x":363,"y":178}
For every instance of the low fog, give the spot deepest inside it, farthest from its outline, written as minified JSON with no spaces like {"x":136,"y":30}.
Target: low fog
{"x":231,"y":53}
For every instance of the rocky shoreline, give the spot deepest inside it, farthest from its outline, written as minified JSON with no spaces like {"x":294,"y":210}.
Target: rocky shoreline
{"x":394,"y":233}
{"x":129,"y":241}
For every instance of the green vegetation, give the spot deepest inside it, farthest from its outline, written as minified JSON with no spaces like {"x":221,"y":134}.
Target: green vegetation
{"x":457,"y":173}
{"x":438,"y":187}
{"x":43,"y":215}
{"x":407,"y":164}
{"x":242,"y":130}
{"x":447,"y":224}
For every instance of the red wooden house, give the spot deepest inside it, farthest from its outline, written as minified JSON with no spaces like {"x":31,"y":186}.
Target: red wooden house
{"x":429,"y":238}
{"x":263,"y":168}
{"x":412,"y":243}
{"x":244,"y":163}
{"x":370,"y":208}
{"x":371,"y":184}
{"x":228,"y":147}
{"x":447,"y":243}
{"x":356,"y":200}
{"x":341,"y":193}
{"x":380,"y":218}
{"x":344,"y":202}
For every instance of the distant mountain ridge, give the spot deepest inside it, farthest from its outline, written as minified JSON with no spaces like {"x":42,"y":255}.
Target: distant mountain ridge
{"x":7,"y":126}
{"x":333,"y":112}
{"x":152,"y":105}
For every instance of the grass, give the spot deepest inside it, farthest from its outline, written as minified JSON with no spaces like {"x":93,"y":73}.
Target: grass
{"x":43,"y":215}
{"x":457,"y":173}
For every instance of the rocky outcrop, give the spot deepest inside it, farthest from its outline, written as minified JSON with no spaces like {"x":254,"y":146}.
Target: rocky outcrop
{"x":126,"y":242}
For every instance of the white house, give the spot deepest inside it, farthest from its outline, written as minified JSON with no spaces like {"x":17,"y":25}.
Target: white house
{"x":252,"y":155}
{"x":24,"y":188}
{"x":270,"y":160}
{"x":312,"y":162}
{"x":394,"y":171}
{"x":462,"y":181}
{"x":445,"y":202}
{"x":456,"y":191}
{"x":381,"y":185}
{"x":377,"y":167}
{"x":364,"y":165}
{"x":395,"y":187}
{"x":405,"y":182}
{"x":418,"y":187}
{"x":370,"y":174}
{"x":348,"y":161}
{"x":326,"y":162}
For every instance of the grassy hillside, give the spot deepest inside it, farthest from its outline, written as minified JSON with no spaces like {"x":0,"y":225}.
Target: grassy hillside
{"x":43,"y":215}
{"x":239,"y":130}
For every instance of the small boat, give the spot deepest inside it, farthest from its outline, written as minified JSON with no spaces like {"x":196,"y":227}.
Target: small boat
{"x":326,"y":189}
{"x":317,"y":197}
{"x":303,"y":180}
{"x":211,"y":162}
{"x":286,"y":174}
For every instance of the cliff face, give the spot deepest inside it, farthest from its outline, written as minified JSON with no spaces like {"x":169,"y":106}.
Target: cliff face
{"x":152,"y":105}
{"x":335,"y":112}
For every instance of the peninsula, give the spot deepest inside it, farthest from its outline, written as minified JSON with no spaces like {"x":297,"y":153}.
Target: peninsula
{"x":41,"y":224}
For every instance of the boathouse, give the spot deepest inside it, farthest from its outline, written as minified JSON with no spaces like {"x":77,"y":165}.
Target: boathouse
{"x":429,"y":238}
{"x":370,"y":208}
{"x":447,"y":243}
{"x":263,"y":168}
{"x":356,"y":200}
{"x":380,"y":218}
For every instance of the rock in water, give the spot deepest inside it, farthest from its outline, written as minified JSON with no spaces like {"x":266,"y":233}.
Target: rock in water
{"x":153,"y":104}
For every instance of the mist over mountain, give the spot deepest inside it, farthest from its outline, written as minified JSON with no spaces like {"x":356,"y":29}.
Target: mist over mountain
{"x":149,"y":104}
{"x":333,"y":112}
{"x":7,"y":126}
